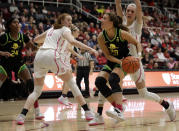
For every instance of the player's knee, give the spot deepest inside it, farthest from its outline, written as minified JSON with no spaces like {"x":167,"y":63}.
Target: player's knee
{"x":37,"y":93}
{"x":100,"y":83}
{"x":114,"y":80}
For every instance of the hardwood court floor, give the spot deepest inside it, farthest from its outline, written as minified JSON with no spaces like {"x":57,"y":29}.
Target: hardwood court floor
{"x":141,"y":115}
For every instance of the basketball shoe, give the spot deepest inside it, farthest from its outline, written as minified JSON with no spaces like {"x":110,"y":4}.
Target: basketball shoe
{"x":171,"y":111}
{"x":98,"y":120}
{"x":64,"y":101}
{"x":116,"y":114}
{"x":89,"y":115}
{"x":20,"y":119}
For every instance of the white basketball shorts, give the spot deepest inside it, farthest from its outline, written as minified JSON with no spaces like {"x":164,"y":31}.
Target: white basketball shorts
{"x":48,"y":59}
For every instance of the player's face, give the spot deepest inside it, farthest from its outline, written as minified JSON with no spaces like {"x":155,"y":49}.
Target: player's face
{"x":15,"y":26}
{"x":131,"y":13}
{"x":76,"y":33}
{"x":106,"y":23}
{"x":67,"y":21}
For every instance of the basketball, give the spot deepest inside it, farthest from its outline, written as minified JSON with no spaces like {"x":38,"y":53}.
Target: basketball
{"x":130,"y":64}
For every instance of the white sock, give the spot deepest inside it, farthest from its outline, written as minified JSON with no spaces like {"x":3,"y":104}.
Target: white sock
{"x":33,"y":97}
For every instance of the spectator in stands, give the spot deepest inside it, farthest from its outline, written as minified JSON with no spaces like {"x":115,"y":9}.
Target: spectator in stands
{"x":13,"y":7}
{"x":156,"y":66}
{"x":172,"y":64}
{"x":177,"y":53}
{"x":148,"y":48}
{"x":150,"y":64}
{"x":101,"y":60}
{"x":160,"y":55}
{"x":92,"y":42}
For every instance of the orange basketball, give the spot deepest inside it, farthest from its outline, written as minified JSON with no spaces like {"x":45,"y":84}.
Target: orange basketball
{"x":130,"y":64}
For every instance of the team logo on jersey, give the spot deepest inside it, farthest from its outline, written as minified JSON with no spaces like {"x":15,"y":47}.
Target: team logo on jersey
{"x":113,"y":49}
{"x":15,"y":46}
{"x":112,"y":46}
{"x":14,"y":51}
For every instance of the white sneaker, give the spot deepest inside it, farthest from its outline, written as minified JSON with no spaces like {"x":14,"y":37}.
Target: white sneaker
{"x":116,"y":114}
{"x":98,"y":120}
{"x":64,"y":101}
{"x":38,"y":115}
{"x":20,"y":119}
{"x":89,"y":115}
{"x":171,"y":111}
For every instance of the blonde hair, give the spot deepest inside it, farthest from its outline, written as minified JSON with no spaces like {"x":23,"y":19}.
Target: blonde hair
{"x":58,"y":24}
{"x":132,"y":4}
{"x":74,"y":28}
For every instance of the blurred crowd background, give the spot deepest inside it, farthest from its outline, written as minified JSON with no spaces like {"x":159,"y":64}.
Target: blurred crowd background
{"x":159,"y":39}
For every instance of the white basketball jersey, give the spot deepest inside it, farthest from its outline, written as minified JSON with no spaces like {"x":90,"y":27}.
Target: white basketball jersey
{"x":135,"y":30}
{"x":68,"y":54}
{"x":55,"y":40}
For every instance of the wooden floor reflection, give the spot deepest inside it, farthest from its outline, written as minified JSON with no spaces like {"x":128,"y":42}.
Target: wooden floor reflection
{"x":141,"y":115}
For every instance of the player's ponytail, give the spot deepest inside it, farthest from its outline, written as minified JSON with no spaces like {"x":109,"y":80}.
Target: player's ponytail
{"x":117,"y":21}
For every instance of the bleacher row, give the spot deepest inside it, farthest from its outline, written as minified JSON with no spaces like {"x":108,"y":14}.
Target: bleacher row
{"x":159,"y":36}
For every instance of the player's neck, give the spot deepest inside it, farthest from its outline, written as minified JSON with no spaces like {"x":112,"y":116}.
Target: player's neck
{"x":111,"y":32}
{"x":14,"y":35}
{"x":129,"y":23}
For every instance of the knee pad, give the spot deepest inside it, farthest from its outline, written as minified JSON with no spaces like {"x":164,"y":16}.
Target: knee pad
{"x":114,"y":80}
{"x":100,"y":83}
{"x":148,"y":95}
{"x":30,"y":85}
{"x":74,"y":88}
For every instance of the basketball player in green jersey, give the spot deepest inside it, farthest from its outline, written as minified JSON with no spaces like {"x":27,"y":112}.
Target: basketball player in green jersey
{"x":11,"y":44}
{"x":114,"y":43}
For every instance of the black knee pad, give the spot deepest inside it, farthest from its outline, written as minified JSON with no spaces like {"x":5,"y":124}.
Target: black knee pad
{"x":30,"y":85}
{"x":114,"y":80}
{"x":100,"y":83}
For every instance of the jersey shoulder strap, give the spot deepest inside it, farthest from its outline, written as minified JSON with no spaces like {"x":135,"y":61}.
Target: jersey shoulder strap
{"x":105,"y":36}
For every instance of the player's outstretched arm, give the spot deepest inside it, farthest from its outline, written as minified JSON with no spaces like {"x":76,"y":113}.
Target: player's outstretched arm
{"x":139,"y":13}
{"x":119,"y":8}
{"x":69,"y":37}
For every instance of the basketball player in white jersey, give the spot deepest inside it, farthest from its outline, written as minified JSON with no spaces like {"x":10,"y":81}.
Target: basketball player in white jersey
{"x":63,"y":99}
{"x":52,"y":56}
{"x":133,"y":19}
